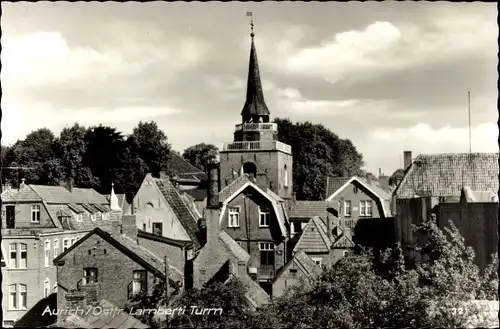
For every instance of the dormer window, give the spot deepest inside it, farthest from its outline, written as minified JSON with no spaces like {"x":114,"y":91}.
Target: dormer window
{"x":35,"y":214}
{"x":92,"y":217}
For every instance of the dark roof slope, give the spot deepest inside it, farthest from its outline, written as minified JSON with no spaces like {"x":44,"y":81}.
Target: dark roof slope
{"x":188,"y":221}
{"x":307,"y":209}
{"x":180,"y":167}
{"x":444,"y":175}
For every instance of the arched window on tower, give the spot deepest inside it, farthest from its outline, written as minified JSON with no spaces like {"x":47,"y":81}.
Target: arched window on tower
{"x":250,"y":168}
{"x":285,"y":178}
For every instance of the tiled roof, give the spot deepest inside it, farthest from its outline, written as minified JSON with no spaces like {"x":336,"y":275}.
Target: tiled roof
{"x":343,"y":242}
{"x":314,"y":237}
{"x":235,"y":185}
{"x":275,"y":196}
{"x":197,"y":194}
{"x":118,"y":320}
{"x":307,"y":209}
{"x":24,"y":194}
{"x":444,"y":175}
{"x":182,"y":212}
{"x":233,"y":247}
{"x":88,"y":195}
{"x":310,"y":268}
{"x":54,"y":194}
{"x":334,"y":183}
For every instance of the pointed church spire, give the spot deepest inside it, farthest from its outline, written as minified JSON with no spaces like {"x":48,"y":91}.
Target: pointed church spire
{"x":113,"y":199}
{"x":255,"y":108}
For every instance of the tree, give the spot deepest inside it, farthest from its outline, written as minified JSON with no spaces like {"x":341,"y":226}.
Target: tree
{"x":318,"y":153}
{"x":396,"y":177}
{"x":200,"y":155}
{"x":105,"y":154}
{"x":150,"y":144}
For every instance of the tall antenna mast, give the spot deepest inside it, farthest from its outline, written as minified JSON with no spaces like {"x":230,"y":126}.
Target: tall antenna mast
{"x":470,"y":134}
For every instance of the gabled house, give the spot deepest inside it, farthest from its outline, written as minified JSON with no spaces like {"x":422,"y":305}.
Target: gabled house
{"x":111,"y":265}
{"x":257,"y":220}
{"x":445,"y":186}
{"x":222,"y":258}
{"x":161,"y":210}
{"x":301,"y":270}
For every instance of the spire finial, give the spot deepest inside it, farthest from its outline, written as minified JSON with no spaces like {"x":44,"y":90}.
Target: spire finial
{"x":249,"y":14}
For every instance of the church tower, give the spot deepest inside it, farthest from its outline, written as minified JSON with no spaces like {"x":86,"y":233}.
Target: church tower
{"x":255,"y":149}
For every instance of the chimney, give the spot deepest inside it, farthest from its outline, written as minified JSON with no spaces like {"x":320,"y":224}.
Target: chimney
{"x":407,"y":159}
{"x":383,"y":181}
{"x":212,"y":212}
{"x":369,"y":178}
{"x":129,"y":226}
{"x":379,"y":172}
{"x":22,"y":185}
{"x":329,"y":217}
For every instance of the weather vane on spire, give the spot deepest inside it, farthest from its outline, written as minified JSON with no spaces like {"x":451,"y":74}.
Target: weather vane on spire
{"x":249,"y":14}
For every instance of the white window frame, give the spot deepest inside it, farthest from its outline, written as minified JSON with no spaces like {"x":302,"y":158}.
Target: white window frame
{"x":46,"y":288}
{"x":73,"y":240}
{"x":264,"y":215}
{"x":105,"y":216}
{"x":23,"y":303}
{"x":363,"y":205}
{"x":79,"y":217}
{"x":232,"y":213}
{"x":35,"y":209}
{"x":13,"y":297}
{"x":46,"y":251}
{"x":285,"y":178}
{"x":56,"y":248}
{"x":318,"y":261}
{"x":21,"y":251}
{"x":13,"y":248}
{"x":65,"y":241}
{"x":266,"y":246}
{"x":369,"y":205}
{"x":347,"y":205}
{"x":92,"y":217}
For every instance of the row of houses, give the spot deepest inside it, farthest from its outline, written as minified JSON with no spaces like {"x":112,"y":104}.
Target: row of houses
{"x":240,"y":220}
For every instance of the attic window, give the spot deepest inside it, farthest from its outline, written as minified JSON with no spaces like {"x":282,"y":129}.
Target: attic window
{"x":293,"y":270}
{"x":312,"y":229}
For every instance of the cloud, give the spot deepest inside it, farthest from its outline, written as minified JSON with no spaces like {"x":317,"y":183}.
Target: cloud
{"x":19,"y":119}
{"x":383,"y":47}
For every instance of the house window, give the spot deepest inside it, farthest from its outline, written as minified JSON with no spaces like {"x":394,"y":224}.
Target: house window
{"x":23,"y":296}
{"x":47,"y":253}
{"x":105,"y":216}
{"x":355,"y":189}
{"x":46,"y":288}
{"x":296,"y":227}
{"x":56,"y":248}
{"x":350,"y":223}
{"x":266,"y":254}
{"x":54,"y":289}
{"x":158,"y":229}
{"x":10,"y":216}
{"x":13,"y":255}
{"x":35,"y":214}
{"x":24,"y":255}
{"x":92,"y":217}
{"x":73,"y":240}
{"x":285,"y":178}
{"x":347,"y":208}
{"x":65,"y":244}
{"x":140,"y":282}
{"x":234,"y":217}
{"x":89,"y":275}
{"x":98,"y":215}
{"x":365,"y":208}
{"x":318,"y":261}
{"x":264,"y":216}
{"x":13,"y":297}
{"x":144,"y":227}
{"x":79,"y":217}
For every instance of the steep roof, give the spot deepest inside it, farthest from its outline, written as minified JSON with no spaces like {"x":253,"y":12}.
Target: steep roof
{"x":233,"y":247}
{"x":343,"y":242}
{"x":308,"y":266}
{"x":314,"y":237}
{"x":181,"y":210}
{"x":234,"y":186}
{"x":444,"y":175}
{"x":180,"y":167}
{"x":53,"y":194}
{"x":307,"y":209}
{"x":89,"y":195}
{"x":255,"y":103}
{"x":197,"y":194}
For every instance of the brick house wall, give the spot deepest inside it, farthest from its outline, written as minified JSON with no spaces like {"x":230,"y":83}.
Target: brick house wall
{"x":115,"y":271}
{"x":23,"y":215}
{"x":150,"y":207}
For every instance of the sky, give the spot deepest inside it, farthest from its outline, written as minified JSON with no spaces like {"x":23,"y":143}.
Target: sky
{"x":389,"y":76}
